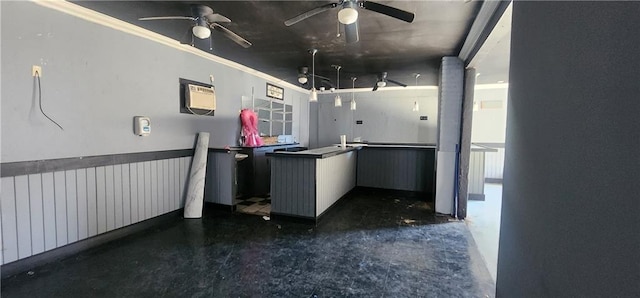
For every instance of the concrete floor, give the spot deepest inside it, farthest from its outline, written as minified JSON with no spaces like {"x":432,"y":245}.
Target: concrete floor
{"x":483,"y":220}
{"x":369,"y":245}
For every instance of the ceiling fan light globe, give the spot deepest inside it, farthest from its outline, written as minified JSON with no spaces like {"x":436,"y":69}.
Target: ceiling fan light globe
{"x":381,"y":83}
{"x":347,"y":15}
{"x":201,"y":32}
{"x":302,"y":80}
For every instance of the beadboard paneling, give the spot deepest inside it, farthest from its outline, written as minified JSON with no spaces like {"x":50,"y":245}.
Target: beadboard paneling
{"x":44,"y":211}
{"x":398,"y":169}
{"x":293,"y":187}
{"x":494,"y":164}
{"x":335,"y":176}
{"x":476,"y":172}
{"x":220,"y":180}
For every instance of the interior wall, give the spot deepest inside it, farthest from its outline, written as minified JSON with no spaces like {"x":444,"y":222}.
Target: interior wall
{"x":95,"y":79}
{"x":489,"y":124}
{"x":570,"y":205}
{"x":386,"y":116}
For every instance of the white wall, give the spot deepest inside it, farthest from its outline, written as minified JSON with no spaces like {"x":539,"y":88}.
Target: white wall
{"x":386,"y":116}
{"x":489,"y":125}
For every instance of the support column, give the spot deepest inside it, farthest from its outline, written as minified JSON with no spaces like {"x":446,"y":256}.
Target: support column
{"x":465,"y":142}
{"x":450,"y":95}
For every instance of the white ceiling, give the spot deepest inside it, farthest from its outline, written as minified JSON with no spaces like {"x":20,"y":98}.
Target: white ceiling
{"x":492,"y":60}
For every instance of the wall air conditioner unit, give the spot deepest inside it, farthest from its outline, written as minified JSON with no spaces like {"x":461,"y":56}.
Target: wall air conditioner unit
{"x":199,"y":97}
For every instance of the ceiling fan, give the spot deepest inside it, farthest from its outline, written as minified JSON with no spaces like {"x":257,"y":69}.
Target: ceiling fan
{"x":304,"y":77}
{"x":204,"y":20}
{"x":382,"y":81}
{"x":348,"y":15}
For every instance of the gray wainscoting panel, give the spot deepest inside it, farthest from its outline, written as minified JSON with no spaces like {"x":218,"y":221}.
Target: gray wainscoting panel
{"x":335,"y":176}
{"x":81,"y":187}
{"x":44,"y":211}
{"x":37,"y":215}
{"x":92,"y":202}
{"x":110,"y":198}
{"x":126,"y":194}
{"x":494,"y":162}
{"x":293,"y":187}
{"x":220,"y":180}
{"x":49,"y":211}
{"x":399,"y":169}
{"x":476,"y":173}
{"x":9,"y":221}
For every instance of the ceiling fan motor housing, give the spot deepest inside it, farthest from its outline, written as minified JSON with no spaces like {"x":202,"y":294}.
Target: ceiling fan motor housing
{"x":348,"y":14}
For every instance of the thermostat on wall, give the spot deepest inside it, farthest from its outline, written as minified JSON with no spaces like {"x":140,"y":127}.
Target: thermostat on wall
{"x":141,"y":125}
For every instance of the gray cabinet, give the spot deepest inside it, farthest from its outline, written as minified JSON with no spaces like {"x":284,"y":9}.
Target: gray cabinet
{"x":255,"y":171}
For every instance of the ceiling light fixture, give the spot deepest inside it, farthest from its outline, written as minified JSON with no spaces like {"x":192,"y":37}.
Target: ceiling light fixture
{"x":302,"y":79}
{"x":313,"y":96}
{"x":416,"y":106}
{"x":201,"y":32}
{"x":348,"y":14}
{"x":381,"y":83}
{"x":338,"y":100}
{"x":353,"y":99}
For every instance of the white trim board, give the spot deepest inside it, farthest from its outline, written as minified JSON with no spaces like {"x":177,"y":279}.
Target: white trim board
{"x":111,"y":22}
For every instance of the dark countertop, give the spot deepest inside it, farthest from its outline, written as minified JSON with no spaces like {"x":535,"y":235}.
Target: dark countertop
{"x":319,"y":153}
{"x":479,"y":148}
{"x":240,"y":148}
{"x":224,"y":150}
{"x":270,"y":145}
{"x":394,"y":145}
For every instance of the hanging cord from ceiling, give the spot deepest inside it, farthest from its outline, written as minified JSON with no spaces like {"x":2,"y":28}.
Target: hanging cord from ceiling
{"x":416,"y":105}
{"x":338,"y":99}
{"x":37,"y":76}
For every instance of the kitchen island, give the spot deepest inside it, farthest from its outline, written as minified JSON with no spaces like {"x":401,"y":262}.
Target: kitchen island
{"x":305,"y":184}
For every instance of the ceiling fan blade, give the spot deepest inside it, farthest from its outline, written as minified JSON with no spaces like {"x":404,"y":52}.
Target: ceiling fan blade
{"x":235,"y":37}
{"x":166,"y":18}
{"x":326,"y":83}
{"x":375,"y":86}
{"x":309,"y":14}
{"x":397,"y":83}
{"x":351,"y":32}
{"x":201,"y":10}
{"x":322,"y":78}
{"x":217,"y":18}
{"x":390,"y":11}
{"x":187,"y":37}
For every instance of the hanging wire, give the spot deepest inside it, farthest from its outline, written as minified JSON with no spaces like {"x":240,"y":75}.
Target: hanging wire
{"x":40,"y":101}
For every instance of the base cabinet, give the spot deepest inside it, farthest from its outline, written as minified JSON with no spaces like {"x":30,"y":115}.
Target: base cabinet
{"x":254,"y":178}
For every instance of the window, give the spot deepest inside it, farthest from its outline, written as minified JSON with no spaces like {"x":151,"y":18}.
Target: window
{"x":274,"y":117}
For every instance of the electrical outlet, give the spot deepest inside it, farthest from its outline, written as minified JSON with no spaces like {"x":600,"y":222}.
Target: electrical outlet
{"x":36,"y":69}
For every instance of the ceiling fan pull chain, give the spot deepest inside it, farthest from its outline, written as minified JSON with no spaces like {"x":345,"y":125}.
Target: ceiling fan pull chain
{"x":338,"y":27}
{"x":211,"y":43}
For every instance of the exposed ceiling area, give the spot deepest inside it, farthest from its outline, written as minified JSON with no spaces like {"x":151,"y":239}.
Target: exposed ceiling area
{"x":492,"y":60}
{"x":386,"y":44}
